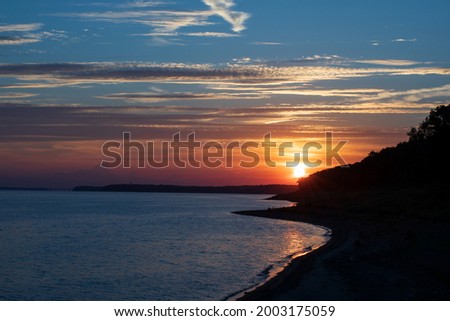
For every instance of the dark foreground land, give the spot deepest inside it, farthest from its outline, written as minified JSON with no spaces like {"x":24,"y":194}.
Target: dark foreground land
{"x":390,"y":251}
{"x":390,"y":217}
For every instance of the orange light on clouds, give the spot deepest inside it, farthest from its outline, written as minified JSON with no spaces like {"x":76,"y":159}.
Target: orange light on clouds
{"x":67,"y":163}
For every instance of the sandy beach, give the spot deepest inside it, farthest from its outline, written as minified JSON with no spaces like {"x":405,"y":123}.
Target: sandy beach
{"x":367,"y":258}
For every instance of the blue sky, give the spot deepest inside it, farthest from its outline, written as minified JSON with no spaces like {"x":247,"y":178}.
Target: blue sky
{"x":287,"y":29}
{"x":79,"y":73}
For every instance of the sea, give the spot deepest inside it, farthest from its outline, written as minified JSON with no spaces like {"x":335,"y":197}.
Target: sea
{"x":61,"y":245}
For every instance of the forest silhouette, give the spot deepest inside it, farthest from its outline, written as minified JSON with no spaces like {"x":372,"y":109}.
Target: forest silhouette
{"x":410,"y":177}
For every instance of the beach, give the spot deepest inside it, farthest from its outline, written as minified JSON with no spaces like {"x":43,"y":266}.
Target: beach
{"x":368,"y":257}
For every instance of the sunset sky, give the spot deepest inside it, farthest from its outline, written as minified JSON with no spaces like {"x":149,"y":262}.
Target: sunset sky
{"x":76,"y":74}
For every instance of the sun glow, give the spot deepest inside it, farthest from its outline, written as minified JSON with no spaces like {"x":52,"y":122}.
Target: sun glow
{"x":299,"y":171}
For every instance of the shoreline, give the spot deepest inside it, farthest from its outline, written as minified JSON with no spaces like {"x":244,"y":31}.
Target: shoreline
{"x":299,"y":265}
{"x":277,"y":273}
{"x":368,"y":257}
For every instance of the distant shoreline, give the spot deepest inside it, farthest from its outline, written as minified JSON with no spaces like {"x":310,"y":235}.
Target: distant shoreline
{"x":273,"y":189}
{"x":244,"y":189}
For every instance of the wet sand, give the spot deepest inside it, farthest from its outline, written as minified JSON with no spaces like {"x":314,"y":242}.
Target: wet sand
{"x":367,"y":258}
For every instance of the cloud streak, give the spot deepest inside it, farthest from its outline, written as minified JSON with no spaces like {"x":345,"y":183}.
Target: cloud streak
{"x":404,"y":40}
{"x":388,"y":62}
{"x":20,"y":34}
{"x":233,"y":74}
{"x":15,"y":40}
{"x":320,"y":82}
{"x":185,"y":96}
{"x":412,"y":95}
{"x":140,"y":4}
{"x":212,"y":34}
{"x":10,"y":95}
{"x":167,"y":23}
{"x":222,"y":8}
{"x":20,"y":27}
{"x":266,"y":43}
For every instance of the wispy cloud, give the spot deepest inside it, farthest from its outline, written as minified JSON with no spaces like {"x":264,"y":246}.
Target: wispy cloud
{"x":312,"y":60}
{"x":388,"y":62}
{"x":20,"y":27}
{"x":266,"y":43}
{"x":412,"y":95}
{"x":222,"y":8}
{"x":185,"y":96}
{"x":316,"y":84}
{"x":206,"y":34}
{"x":163,"y":22}
{"x":130,"y":4}
{"x":240,"y":74}
{"x":212,"y":34}
{"x":16,"y":40}
{"x":20,"y":34}
{"x":167,"y":23}
{"x":10,"y":95}
{"x":140,"y":4}
{"x":404,"y":40}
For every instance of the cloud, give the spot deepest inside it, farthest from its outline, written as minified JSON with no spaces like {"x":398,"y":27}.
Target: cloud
{"x":312,"y":60}
{"x":20,"y":27}
{"x":15,"y":40}
{"x":53,"y":34}
{"x":69,"y":74}
{"x":266,"y":43}
{"x":84,"y":124}
{"x":190,"y":34}
{"x":417,"y":95}
{"x":243,"y":61}
{"x":388,"y":62}
{"x":140,"y":4}
{"x":413,"y":95}
{"x":10,"y":95}
{"x":222,"y":8}
{"x":318,"y":84}
{"x":162,"y":21}
{"x":131,"y":4}
{"x":211,"y":34}
{"x":358,"y":92}
{"x":20,"y":34}
{"x":241,"y":74}
{"x":404,"y":40}
{"x":159,"y":97}
{"x":167,"y":23}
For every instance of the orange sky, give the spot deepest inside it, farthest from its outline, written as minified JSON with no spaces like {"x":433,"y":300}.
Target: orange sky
{"x":67,"y":163}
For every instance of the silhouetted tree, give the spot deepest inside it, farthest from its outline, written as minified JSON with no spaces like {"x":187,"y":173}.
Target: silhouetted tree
{"x":435,"y":126}
{"x":420,"y":161}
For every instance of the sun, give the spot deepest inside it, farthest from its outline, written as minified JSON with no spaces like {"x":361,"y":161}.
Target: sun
{"x":299,"y":171}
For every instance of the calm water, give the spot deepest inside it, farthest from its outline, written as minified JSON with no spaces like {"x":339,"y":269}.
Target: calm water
{"x":127,"y":246}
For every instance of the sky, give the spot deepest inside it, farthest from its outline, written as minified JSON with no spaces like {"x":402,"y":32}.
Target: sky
{"x":77,"y":74}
